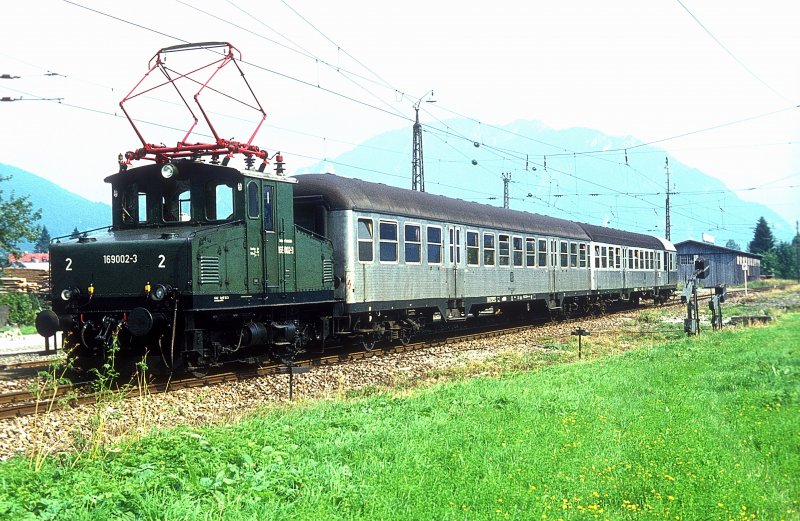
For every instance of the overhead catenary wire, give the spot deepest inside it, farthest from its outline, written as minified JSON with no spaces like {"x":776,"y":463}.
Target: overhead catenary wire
{"x":502,"y":155}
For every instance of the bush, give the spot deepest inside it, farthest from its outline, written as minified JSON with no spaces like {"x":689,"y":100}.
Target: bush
{"x":22,"y":308}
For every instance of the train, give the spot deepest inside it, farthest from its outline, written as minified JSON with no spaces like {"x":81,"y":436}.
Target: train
{"x":205,"y":263}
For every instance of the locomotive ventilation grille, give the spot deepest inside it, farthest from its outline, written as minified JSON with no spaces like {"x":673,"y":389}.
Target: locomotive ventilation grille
{"x":327,"y":271}
{"x":209,"y":270}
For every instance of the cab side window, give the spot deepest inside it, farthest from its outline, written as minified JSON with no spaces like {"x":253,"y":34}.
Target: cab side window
{"x":219,"y":201}
{"x":176,"y":203}
{"x":252,"y":200}
{"x":269,"y":220}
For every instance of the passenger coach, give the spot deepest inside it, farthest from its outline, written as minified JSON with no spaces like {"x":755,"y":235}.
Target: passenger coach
{"x":417,"y":256}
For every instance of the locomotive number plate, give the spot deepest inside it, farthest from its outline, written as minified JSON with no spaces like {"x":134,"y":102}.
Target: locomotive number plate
{"x":121,"y":259}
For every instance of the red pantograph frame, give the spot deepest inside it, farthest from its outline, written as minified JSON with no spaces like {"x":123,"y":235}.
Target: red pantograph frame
{"x":221,"y":147}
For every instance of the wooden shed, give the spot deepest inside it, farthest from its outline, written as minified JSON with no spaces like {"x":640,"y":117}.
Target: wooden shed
{"x":727,"y":267}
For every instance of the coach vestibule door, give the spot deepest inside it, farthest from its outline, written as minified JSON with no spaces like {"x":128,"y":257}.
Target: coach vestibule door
{"x":455,"y":282}
{"x":552,"y":265}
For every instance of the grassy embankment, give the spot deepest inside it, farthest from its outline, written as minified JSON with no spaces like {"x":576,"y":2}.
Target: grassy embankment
{"x":700,"y":428}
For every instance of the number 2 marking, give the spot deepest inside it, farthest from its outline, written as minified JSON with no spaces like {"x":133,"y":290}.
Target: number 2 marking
{"x":69,"y":264}
{"x":161,"y":262}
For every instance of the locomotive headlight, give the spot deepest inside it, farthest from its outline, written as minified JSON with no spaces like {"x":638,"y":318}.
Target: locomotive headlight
{"x":70,"y":293}
{"x":159,"y":293}
{"x":168,"y":170}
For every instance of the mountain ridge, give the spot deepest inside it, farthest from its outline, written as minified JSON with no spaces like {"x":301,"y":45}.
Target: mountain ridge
{"x":577,"y":173}
{"x":62,"y":210}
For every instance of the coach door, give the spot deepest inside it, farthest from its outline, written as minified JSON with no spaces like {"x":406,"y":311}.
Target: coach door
{"x":455,"y":280}
{"x":552,"y":266}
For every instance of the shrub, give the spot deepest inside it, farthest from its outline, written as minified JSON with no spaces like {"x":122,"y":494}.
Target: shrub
{"x":22,"y":308}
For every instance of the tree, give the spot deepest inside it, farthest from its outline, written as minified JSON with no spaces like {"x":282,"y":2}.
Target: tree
{"x":763,"y":240}
{"x":43,"y":244}
{"x":17,"y":222}
{"x":733,"y":245}
{"x":786,"y":255}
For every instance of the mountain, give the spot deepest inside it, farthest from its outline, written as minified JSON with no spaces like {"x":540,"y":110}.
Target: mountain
{"x":62,"y":210}
{"x":624,"y":186}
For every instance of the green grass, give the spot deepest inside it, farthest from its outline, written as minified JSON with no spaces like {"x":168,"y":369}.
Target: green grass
{"x":24,"y":330}
{"x":700,"y":428}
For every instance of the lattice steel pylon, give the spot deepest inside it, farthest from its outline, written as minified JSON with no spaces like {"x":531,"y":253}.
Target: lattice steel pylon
{"x":417,"y":163}
{"x":506,"y":180}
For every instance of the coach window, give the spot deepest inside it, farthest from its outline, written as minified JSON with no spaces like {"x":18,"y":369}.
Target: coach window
{"x":517,"y":245}
{"x":530,"y":252}
{"x":610,"y":257}
{"x":434,"y":245}
{"x":504,"y":253}
{"x":365,"y":244}
{"x":582,"y":255}
{"x":219,"y":201}
{"x":269,"y":221}
{"x":573,"y":254}
{"x":636,"y":256}
{"x":388,"y":241}
{"x":658,"y":260}
{"x":596,"y":256}
{"x":413,"y":243}
{"x":488,"y":249}
{"x":603,"y":257}
{"x":617,"y":257}
{"x":564,"y":254}
{"x":553,"y":253}
{"x":473,"y":249}
{"x":542,"y":252}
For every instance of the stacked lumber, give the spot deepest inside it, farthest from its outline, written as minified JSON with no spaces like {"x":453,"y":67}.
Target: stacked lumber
{"x":16,"y":280}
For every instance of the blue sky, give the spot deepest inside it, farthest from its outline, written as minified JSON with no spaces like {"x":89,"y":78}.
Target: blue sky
{"x":330,"y":75}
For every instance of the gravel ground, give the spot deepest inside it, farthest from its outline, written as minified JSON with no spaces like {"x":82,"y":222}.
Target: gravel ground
{"x":69,"y":429}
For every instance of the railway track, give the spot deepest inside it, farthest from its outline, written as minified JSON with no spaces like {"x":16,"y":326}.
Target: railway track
{"x":23,"y":403}
{"x":29,"y":364}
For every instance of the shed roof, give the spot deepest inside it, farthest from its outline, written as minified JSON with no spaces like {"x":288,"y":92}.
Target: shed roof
{"x":693,"y":246}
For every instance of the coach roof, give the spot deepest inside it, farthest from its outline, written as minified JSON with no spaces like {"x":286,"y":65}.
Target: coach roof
{"x":344,"y":193}
{"x":622,"y":238}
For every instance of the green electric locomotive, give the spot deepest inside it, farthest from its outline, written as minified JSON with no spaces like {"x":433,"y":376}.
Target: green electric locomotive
{"x":202,"y":263}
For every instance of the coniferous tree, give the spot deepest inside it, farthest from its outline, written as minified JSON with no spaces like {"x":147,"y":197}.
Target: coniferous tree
{"x":763,"y":240}
{"x":43,"y":244}
{"x":733,"y":245}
